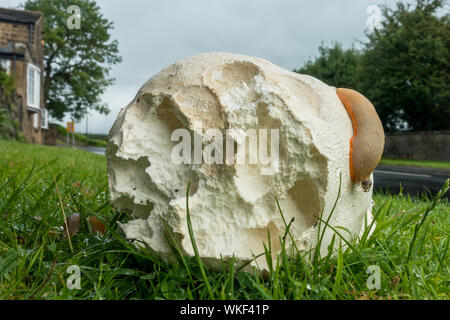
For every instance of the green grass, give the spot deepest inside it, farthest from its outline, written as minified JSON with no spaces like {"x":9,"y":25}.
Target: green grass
{"x":80,"y":137}
{"x":417,"y":163}
{"x":410,"y":245}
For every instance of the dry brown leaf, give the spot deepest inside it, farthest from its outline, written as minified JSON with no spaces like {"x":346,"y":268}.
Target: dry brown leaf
{"x":73,"y":224}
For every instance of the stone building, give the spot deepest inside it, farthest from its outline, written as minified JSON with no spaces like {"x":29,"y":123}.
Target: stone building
{"x":21,"y":55}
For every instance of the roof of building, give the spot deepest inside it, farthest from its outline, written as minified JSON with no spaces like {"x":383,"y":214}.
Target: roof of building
{"x":19,"y":16}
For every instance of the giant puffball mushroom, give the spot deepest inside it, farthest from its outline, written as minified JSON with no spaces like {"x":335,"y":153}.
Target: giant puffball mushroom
{"x":203,"y":100}
{"x":367,"y":142}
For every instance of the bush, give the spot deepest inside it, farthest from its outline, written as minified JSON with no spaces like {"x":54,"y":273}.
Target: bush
{"x":9,"y":127}
{"x":80,"y":137}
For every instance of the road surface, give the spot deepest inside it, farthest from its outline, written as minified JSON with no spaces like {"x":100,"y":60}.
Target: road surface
{"x":96,"y":150}
{"x":413,"y":180}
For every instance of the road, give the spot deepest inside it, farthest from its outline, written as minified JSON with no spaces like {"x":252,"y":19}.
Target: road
{"x":95,"y":150}
{"x":413,"y":180}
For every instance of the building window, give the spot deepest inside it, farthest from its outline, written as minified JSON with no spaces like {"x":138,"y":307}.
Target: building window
{"x":36,"y":120}
{"x":6,"y":65}
{"x":44,"y":119}
{"x":33,"y":87}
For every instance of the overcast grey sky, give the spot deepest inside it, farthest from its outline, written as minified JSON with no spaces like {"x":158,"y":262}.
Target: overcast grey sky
{"x":153,"y":34}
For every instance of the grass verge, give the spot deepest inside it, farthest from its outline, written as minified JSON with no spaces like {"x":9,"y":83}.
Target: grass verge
{"x":80,"y":137}
{"x":409,"y":245}
{"x":416,"y":163}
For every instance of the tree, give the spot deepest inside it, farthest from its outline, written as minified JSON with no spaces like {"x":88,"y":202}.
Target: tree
{"x":335,"y":66}
{"x":405,"y":69}
{"x":77,"y":61}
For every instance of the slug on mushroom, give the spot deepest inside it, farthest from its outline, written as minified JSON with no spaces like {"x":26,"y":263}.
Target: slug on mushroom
{"x":367,"y":142}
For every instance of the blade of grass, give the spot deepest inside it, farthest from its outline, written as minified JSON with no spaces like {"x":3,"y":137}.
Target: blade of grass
{"x":64,"y":215}
{"x":194,"y":245}
{"x":426,"y":213}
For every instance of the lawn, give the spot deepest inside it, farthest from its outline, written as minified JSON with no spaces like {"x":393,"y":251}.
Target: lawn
{"x":417,"y":163}
{"x":409,"y":244}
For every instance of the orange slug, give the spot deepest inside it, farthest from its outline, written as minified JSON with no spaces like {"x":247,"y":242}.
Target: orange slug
{"x":367,"y":142}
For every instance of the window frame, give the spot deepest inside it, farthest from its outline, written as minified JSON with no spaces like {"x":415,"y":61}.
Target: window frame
{"x":44,"y":118}
{"x":35,"y":105}
{"x":36,"y":121}
{"x":8,"y":65}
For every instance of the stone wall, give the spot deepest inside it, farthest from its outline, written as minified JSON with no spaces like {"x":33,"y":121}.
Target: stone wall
{"x":51,"y":135}
{"x":418,"y":145}
{"x":27,"y":39}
